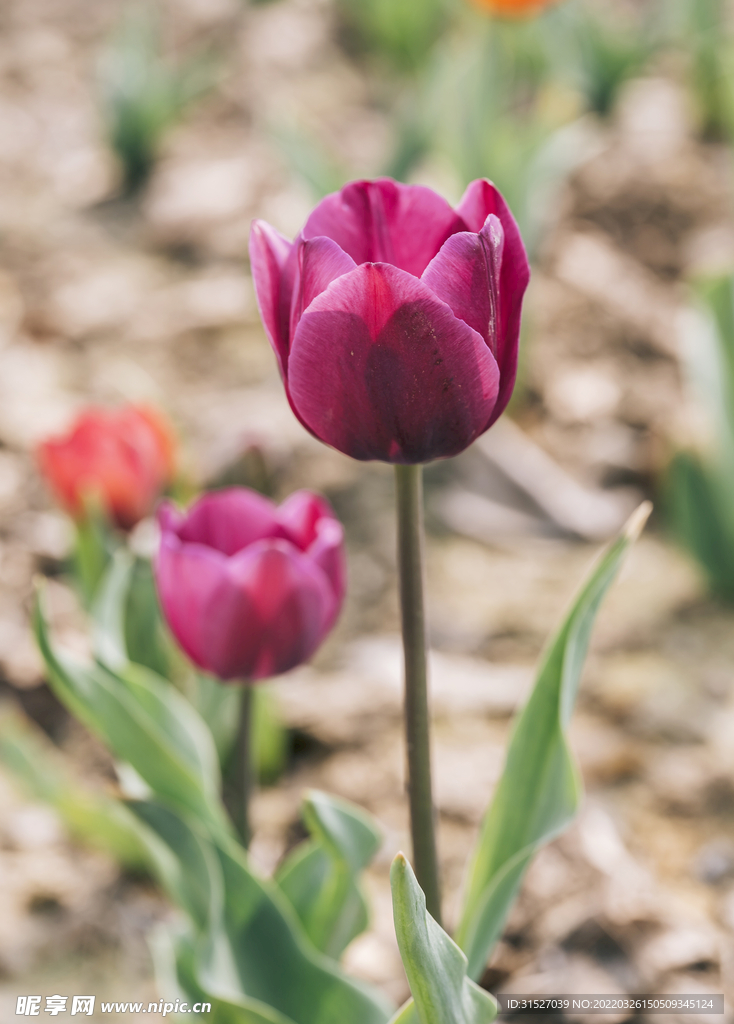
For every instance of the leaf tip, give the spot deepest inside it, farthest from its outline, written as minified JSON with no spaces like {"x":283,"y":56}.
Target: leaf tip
{"x":399,"y":865}
{"x":636,"y":522}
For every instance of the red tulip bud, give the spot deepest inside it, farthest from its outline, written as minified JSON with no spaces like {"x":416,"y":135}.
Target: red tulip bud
{"x":120,"y":458}
{"x":513,"y":8}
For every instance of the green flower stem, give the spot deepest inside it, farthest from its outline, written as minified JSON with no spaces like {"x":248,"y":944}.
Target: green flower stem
{"x":409,"y":494}
{"x":244,"y":780}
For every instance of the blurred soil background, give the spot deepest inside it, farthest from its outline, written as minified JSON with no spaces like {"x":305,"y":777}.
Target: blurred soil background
{"x":105,"y":298}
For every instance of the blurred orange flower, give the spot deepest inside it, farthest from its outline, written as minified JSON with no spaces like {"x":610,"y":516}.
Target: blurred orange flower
{"x":121,"y":458}
{"x":513,"y":8}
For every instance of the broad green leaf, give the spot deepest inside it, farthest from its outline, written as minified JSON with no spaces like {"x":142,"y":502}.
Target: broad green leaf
{"x":435,"y":966}
{"x":174,"y":962}
{"x":91,"y":817}
{"x":173,"y":951}
{"x":702,"y":517}
{"x":540,"y":789}
{"x":184,"y":860}
{"x":142,"y":720}
{"x":253,"y":946}
{"x":320,"y":877}
{"x":407,"y":1014}
{"x":700,"y":484}
{"x":108,"y":612}
{"x":146,"y":639}
{"x":94,"y":546}
{"x":245,"y":1011}
{"x":317,"y":991}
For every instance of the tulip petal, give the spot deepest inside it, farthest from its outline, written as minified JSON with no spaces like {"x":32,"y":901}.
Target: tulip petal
{"x":299,"y":516}
{"x":465,"y":274}
{"x":384,"y":221}
{"x":320,"y":261}
{"x":380,"y":368}
{"x":289,"y":604}
{"x":478,"y":202}
{"x":273,"y":264}
{"x":309,"y":522}
{"x":327,"y":551}
{"x":192,"y":580}
{"x":229,"y":520}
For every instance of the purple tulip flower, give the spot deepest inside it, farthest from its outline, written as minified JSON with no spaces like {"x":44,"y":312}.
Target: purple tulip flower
{"x":249,"y":589}
{"x":394,"y":317}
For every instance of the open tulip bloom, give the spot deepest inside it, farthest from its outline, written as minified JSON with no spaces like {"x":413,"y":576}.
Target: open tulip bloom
{"x":395,"y":318}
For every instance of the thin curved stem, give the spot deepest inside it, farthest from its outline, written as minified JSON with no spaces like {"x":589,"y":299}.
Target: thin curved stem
{"x":409,"y":495}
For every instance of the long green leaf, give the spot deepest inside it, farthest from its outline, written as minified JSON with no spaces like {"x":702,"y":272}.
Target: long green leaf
{"x":174,"y":956}
{"x":540,"y":789}
{"x":321,"y":877}
{"x":108,"y":612}
{"x":246,"y":1011}
{"x":91,"y":817}
{"x":144,"y":721}
{"x":700,"y":484}
{"x":435,"y":966}
{"x":252,"y":946}
{"x":702,"y":516}
{"x":128,"y":627}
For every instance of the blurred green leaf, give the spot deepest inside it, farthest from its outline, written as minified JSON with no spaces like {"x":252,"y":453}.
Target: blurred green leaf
{"x":142,"y":94}
{"x":90,"y":817}
{"x":321,"y":876}
{"x":143,"y":720}
{"x":146,"y":638}
{"x":492,"y":110}
{"x":251,"y":950}
{"x":108,"y":612}
{"x":309,"y":160}
{"x":598,"y":50}
{"x":246,"y":1011}
{"x":95,"y":544}
{"x":540,"y":789}
{"x":699,"y":484}
{"x":706,"y":38}
{"x":435,"y":966}
{"x":174,"y":960}
{"x":701,"y":515}
{"x":400,"y":31}
{"x":128,"y":627}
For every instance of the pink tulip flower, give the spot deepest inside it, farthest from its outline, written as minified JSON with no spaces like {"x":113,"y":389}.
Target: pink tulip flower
{"x":395,"y":318}
{"x":249,"y":589}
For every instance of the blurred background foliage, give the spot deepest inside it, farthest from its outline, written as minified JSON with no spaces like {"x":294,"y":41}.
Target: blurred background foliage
{"x":143,"y":94}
